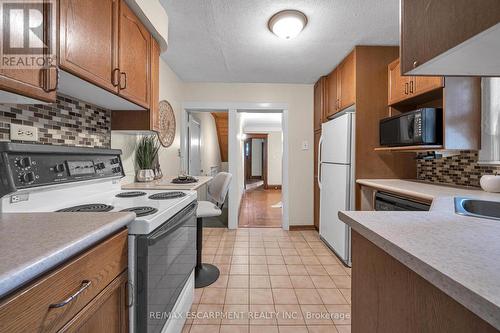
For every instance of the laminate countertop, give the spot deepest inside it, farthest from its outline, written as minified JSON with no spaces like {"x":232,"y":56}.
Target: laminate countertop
{"x":166,"y":184}
{"x":460,"y":255}
{"x":31,"y":244}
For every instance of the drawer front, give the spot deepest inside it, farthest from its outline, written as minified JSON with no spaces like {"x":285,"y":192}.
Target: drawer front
{"x":41,"y":306}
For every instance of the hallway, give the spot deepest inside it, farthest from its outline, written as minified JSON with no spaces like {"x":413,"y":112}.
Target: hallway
{"x":261,"y":208}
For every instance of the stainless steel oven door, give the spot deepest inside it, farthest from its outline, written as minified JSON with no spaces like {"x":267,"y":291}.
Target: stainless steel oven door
{"x":165,"y":259}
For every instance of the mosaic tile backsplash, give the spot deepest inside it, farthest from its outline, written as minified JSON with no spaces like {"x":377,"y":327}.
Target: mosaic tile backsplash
{"x":460,"y":169}
{"x":67,"y":122}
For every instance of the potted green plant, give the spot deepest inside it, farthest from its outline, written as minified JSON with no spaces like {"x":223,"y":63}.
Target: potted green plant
{"x":146,"y":154}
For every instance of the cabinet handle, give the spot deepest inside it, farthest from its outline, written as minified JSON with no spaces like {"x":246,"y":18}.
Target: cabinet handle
{"x":124,"y":75}
{"x":115,"y":73}
{"x":415,"y":64}
{"x":411,"y":87}
{"x":85,"y":285}
{"x":46,"y":86}
{"x":406,"y":88}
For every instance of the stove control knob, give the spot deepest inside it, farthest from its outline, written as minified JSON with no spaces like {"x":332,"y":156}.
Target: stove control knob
{"x":28,"y":177}
{"x":59,"y":168}
{"x":24,"y":162}
{"x":115,"y":160}
{"x":100,"y":166}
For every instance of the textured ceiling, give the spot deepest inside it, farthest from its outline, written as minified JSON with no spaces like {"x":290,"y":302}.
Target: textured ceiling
{"x":228,"y":40}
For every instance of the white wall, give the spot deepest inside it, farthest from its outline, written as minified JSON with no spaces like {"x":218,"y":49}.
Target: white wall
{"x":274,"y":158}
{"x":257,"y":157}
{"x":170,"y":90}
{"x":299,"y":98}
{"x":236,"y":166}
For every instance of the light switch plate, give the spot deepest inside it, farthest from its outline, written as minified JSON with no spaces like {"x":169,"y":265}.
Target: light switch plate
{"x":23,"y":133}
{"x":305,"y":145}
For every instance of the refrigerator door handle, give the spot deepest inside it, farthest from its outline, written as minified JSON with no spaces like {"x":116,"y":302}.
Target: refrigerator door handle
{"x":320,"y":143}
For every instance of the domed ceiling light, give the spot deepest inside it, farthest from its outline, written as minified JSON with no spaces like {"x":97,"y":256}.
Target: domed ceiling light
{"x":287,"y":24}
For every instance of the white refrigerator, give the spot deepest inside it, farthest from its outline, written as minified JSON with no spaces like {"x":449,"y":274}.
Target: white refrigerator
{"x":336,"y":182}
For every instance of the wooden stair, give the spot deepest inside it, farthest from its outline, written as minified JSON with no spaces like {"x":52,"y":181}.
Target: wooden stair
{"x":221,"y":123}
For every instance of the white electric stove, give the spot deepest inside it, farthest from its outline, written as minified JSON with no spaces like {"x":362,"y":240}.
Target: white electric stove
{"x":162,"y":238}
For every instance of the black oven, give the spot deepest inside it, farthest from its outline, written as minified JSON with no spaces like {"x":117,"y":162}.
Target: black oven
{"x":418,"y":127}
{"x":165,"y":260}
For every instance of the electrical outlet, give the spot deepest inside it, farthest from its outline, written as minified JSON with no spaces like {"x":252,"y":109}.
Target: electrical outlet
{"x":305,"y":145}
{"x":23,"y":133}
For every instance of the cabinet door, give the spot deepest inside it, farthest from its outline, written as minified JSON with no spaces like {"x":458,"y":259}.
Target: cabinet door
{"x":38,"y":83}
{"x":332,"y":82}
{"x":399,"y":86}
{"x":134,"y":44}
{"x":107,"y":312}
{"x":431,"y":28}
{"x":320,"y":101}
{"x":424,"y":84}
{"x":155,"y":86}
{"x":88,"y":34}
{"x":347,"y":78}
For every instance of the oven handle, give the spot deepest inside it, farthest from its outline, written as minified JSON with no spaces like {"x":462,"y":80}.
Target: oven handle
{"x":174,"y":223}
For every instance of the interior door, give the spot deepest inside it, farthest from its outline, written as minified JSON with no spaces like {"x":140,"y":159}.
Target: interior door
{"x":194,"y":147}
{"x":335,"y":196}
{"x":88,"y":33}
{"x":134,"y":57}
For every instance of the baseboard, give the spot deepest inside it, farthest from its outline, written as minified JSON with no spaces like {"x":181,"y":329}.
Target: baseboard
{"x":302,"y":227}
{"x":273,"y":187}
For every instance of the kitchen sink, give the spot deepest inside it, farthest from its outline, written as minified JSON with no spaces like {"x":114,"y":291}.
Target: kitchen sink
{"x":478,"y":208}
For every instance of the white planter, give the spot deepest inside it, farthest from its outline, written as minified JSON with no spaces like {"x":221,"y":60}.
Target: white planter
{"x":490,"y":183}
{"x":145,"y":175}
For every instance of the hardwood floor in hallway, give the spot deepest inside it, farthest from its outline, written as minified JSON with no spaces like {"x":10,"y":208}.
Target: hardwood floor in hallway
{"x":261,"y":208}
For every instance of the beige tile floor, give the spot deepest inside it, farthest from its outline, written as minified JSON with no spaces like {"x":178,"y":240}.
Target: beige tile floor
{"x":272,"y":281}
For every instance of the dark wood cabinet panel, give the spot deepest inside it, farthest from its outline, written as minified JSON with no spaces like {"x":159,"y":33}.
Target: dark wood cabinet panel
{"x":332,"y":93}
{"x":317,"y":136}
{"x":88,"y":33}
{"x":37,"y":83}
{"x":134,"y":45}
{"x":347,"y":82}
{"x":389,"y":297}
{"x":430,"y":28}
{"x":320,"y":102}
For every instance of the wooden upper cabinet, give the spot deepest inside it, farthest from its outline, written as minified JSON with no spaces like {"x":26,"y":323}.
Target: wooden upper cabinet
{"x":399,"y":86}
{"x":320,"y":100}
{"x":402,"y":88}
{"x":134,"y":42}
{"x":332,"y":100}
{"x":347,"y":82}
{"x":432,"y":30}
{"x":37,"y":83}
{"x":424,"y":84}
{"x":88,"y":33}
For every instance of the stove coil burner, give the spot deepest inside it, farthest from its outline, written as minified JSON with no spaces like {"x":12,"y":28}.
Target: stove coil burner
{"x":130,"y":194}
{"x":141,"y":211}
{"x":167,"y":195}
{"x":88,"y":208}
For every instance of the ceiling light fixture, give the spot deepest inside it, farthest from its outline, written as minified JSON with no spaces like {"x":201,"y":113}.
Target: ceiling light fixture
{"x":287,"y":24}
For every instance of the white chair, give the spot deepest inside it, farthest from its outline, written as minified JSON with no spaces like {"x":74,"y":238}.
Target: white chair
{"x":206,"y":274}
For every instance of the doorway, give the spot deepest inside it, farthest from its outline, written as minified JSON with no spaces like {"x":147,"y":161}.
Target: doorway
{"x":255,"y":154}
{"x":194,"y":146}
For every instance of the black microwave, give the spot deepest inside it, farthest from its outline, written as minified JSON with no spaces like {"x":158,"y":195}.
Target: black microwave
{"x":418,"y":127}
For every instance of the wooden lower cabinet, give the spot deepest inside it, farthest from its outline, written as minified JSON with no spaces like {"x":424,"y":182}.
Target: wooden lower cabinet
{"x":108,"y":312}
{"x":97,"y":277}
{"x":388,"y":297}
